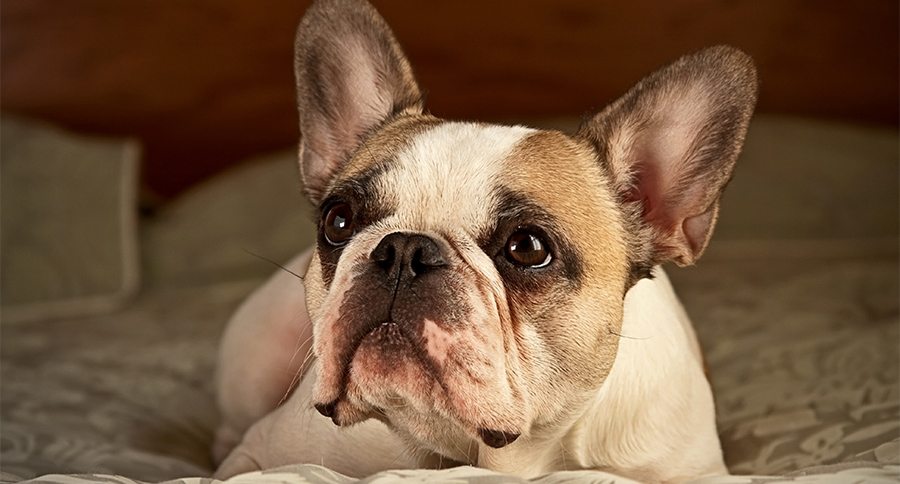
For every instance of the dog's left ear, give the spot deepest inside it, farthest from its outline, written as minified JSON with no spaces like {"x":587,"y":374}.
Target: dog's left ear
{"x":351,"y":75}
{"x":670,"y":145}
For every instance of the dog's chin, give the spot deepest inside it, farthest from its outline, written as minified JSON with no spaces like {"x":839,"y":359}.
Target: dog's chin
{"x":392,"y":379}
{"x":388,"y":372}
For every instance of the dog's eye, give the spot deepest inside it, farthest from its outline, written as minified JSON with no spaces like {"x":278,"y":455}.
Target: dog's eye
{"x":527,"y":249}
{"x":338,"y":224}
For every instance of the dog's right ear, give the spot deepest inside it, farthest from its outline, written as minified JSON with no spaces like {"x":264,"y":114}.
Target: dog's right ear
{"x":351,"y":75}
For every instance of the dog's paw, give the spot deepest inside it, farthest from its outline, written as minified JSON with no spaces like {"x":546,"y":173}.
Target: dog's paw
{"x":239,"y":461}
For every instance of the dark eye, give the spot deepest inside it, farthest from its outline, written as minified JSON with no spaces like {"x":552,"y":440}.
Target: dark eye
{"x":526,"y":248}
{"x":338,"y":224}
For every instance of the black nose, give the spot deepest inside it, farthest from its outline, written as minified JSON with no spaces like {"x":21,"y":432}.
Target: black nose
{"x":407,"y":255}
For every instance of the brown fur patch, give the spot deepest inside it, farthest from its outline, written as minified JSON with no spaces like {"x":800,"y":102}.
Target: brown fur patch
{"x":561,"y":174}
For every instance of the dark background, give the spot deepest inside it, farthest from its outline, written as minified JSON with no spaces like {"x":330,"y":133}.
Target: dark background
{"x":205,"y":83}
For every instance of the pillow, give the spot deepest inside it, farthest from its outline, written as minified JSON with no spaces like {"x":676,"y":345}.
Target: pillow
{"x":69,"y":224}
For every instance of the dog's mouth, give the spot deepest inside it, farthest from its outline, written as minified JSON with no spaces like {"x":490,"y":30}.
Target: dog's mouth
{"x":329,"y":409}
{"x":387,"y":369}
{"x":385,"y":339}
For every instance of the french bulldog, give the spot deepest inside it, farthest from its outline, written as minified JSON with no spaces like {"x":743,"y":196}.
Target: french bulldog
{"x":482,"y":294}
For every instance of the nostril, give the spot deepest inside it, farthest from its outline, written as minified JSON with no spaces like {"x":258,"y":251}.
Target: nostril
{"x":416,"y":264}
{"x":386,"y":259}
{"x":384,"y":255}
{"x":425,"y":257}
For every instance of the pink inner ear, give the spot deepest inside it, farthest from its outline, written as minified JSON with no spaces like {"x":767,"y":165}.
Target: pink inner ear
{"x":668,"y":204}
{"x":697,"y":228}
{"x":648,"y":189}
{"x":682,"y":237}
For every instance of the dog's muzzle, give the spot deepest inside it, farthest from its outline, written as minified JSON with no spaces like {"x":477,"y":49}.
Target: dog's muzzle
{"x":403,"y":300}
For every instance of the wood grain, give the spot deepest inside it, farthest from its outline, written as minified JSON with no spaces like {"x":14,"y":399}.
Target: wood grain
{"x":204,"y":83}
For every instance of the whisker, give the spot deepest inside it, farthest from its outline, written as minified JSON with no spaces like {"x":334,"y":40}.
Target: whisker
{"x":628,"y":337}
{"x":456,"y":448}
{"x":366,"y":146}
{"x":270,"y":261}
{"x":562,"y":449}
{"x":403,"y":453}
{"x":297,"y":351}
{"x":297,"y":376}
{"x":396,"y":402}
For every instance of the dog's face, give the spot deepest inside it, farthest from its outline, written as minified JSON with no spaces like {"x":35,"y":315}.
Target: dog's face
{"x":454,"y":294}
{"x":469,"y":279}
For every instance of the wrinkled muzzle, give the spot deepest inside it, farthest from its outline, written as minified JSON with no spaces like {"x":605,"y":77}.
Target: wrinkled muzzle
{"x":414,"y":333}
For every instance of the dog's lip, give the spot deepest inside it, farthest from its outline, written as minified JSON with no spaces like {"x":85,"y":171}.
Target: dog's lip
{"x":497,"y":438}
{"x":489,"y":436}
{"x":330,"y":408}
{"x":404,"y":334}
{"x":354,"y":348}
{"x":327,"y":409}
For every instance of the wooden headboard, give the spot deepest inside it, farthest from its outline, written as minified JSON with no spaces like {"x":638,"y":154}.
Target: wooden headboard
{"x":205,"y":83}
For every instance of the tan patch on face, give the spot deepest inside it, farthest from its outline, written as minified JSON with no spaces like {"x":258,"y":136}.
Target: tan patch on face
{"x":562,"y":176}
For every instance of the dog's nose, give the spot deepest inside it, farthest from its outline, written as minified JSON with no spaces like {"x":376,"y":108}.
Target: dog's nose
{"x":408,"y":255}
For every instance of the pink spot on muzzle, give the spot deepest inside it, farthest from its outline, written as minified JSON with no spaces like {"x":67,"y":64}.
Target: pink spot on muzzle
{"x":437,"y":341}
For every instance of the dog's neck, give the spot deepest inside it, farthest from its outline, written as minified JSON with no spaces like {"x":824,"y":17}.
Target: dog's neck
{"x":630,"y":424}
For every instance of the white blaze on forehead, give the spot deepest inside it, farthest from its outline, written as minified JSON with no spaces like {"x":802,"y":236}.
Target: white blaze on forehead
{"x":445,"y":177}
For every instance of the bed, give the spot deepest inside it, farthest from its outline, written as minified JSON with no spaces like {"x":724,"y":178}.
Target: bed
{"x":795,"y":304}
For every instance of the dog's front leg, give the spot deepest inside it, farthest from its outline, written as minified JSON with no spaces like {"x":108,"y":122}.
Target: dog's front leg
{"x":264,"y":346}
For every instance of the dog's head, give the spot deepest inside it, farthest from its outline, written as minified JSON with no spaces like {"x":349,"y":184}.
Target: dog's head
{"x":469,"y":279}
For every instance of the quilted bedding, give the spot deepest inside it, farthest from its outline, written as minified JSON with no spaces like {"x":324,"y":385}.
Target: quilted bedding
{"x":801,"y":339}
{"x":130,"y":393}
{"x":313,"y":474}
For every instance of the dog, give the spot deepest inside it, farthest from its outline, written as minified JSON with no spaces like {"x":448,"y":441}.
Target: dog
{"x":482,"y":294}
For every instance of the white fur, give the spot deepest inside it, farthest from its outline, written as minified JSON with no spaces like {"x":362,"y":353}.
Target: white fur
{"x":470,"y":154}
{"x":261,"y":351}
{"x":656,"y":388}
{"x":295,"y":432}
{"x":658,"y":384}
{"x":652,"y":419}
